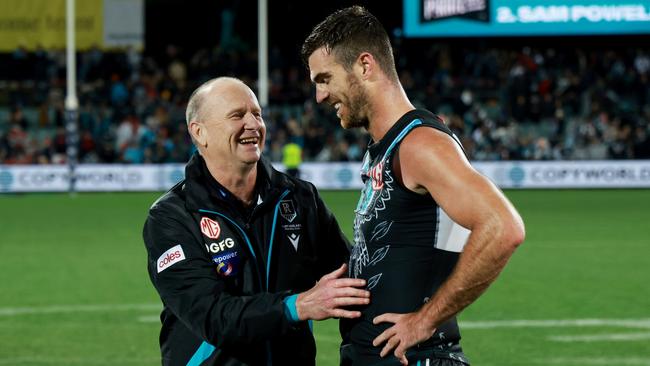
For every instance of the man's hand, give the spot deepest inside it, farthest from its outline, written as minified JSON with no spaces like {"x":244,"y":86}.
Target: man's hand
{"x":407,"y":330}
{"x":332,"y":293}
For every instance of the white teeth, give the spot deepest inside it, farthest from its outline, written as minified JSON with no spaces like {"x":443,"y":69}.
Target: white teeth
{"x":250,"y":140}
{"x":337,"y":106}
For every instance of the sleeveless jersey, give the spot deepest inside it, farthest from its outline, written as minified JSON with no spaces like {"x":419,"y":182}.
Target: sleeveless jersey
{"x":405,"y":246}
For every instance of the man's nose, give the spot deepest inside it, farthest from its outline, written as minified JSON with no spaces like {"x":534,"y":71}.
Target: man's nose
{"x":321,"y":94}
{"x":251,"y":122}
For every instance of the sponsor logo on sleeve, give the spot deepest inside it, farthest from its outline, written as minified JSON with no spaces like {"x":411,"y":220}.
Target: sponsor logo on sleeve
{"x":170,"y":257}
{"x":210,"y":228}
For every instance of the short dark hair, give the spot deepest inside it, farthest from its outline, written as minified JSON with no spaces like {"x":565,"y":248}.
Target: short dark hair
{"x":348,"y":33}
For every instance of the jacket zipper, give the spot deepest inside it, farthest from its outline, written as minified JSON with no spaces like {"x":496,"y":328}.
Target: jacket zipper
{"x":275,"y":220}
{"x":250,"y":248}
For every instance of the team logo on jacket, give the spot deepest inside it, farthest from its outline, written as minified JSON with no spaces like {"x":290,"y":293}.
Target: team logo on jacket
{"x":375,"y":174}
{"x":210,"y":228}
{"x":288,"y":210}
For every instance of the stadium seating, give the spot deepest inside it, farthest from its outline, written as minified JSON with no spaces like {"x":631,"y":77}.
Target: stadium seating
{"x":504,"y":103}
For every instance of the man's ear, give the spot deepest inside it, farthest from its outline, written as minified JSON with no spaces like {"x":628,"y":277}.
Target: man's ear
{"x":367,"y":65}
{"x":199,"y":134}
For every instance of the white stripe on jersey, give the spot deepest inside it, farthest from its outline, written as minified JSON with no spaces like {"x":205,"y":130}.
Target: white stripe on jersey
{"x":450,"y":236}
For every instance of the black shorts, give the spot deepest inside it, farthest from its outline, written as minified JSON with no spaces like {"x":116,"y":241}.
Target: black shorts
{"x":450,"y":356}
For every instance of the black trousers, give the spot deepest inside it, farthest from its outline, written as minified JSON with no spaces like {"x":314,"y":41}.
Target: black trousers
{"x":450,"y":356}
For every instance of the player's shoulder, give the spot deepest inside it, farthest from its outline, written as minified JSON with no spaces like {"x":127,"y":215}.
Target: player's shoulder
{"x":422,"y":140}
{"x":427,"y":151}
{"x":427,"y":118}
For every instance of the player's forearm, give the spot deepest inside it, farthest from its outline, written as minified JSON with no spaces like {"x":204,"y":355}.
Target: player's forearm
{"x":487,"y":251}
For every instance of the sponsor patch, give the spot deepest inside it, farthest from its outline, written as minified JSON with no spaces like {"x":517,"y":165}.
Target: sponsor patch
{"x":227,"y":263}
{"x":216,"y":247}
{"x":171,"y":256}
{"x":287,"y":210}
{"x":210,"y":228}
{"x":376,"y":176}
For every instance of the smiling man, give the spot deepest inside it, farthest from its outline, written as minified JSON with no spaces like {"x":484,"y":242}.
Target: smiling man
{"x":236,"y":250}
{"x":430,"y":232}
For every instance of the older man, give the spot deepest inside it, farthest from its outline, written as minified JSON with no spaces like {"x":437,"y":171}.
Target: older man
{"x":236,"y":249}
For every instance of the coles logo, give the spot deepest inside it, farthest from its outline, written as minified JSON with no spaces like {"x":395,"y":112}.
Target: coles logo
{"x":376,"y":176}
{"x":210,"y":228}
{"x":171,"y":256}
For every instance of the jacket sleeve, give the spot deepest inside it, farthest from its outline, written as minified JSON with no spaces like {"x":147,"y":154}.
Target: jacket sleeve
{"x":191,"y":289}
{"x":332,"y":245}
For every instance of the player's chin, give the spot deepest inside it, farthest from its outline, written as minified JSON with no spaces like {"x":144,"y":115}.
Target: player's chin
{"x":346,"y":124}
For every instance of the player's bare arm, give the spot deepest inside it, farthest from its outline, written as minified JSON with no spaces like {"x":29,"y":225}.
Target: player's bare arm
{"x":431,"y":162}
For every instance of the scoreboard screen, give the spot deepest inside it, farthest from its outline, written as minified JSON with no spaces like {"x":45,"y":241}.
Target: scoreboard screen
{"x":469,"y":18}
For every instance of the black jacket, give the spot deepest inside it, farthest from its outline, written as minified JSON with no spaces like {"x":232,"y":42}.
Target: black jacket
{"x":223,"y":272}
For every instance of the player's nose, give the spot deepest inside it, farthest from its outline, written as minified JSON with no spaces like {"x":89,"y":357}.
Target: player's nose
{"x":321,"y":94}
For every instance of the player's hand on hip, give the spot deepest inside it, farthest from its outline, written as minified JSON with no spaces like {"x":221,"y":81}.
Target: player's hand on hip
{"x":329,"y":297}
{"x":407,"y":330}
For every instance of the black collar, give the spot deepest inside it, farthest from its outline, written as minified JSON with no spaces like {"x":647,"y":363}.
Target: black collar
{"x":205,"y":192}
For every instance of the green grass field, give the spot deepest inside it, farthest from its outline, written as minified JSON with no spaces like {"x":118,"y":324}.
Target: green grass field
{"x":74,"y":288}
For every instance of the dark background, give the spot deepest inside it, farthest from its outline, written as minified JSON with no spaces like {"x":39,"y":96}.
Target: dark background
{"x":196,"y":24}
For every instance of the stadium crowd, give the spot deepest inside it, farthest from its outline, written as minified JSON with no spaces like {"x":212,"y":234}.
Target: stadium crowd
{"x":505,"y":103}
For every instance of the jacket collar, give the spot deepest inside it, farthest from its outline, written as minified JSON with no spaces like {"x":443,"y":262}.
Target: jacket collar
{"x":200,"y":187}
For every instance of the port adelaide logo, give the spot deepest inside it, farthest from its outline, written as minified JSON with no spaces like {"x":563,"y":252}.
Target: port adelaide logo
{"x":288,"y":210}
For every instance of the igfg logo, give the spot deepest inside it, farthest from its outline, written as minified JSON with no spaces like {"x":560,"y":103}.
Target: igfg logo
{"x":220,"y":246}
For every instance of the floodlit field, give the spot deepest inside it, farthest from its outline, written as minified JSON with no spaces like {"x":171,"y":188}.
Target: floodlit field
{"x":74,"y":288}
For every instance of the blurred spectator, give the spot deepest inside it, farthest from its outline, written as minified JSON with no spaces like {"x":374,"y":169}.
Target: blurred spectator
{"x":504,"y":103}
{"x":292,"y":157}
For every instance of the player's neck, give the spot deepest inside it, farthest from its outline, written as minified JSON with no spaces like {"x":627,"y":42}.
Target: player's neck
{"x":388,"y":104}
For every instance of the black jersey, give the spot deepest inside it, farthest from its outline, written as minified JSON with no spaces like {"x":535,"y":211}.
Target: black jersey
{"x":405,"y":244}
